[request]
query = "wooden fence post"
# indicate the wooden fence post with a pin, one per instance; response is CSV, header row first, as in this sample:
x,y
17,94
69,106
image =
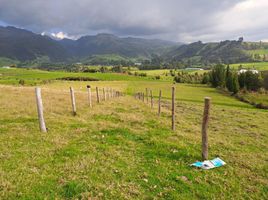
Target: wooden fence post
x,y
104,95
159,103
39,103
89,96
147,98
152,102
204,129
73,100
173,108
97,93
107,93
143,99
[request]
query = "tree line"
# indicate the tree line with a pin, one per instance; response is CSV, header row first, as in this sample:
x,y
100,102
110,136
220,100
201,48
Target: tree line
x,y
224,77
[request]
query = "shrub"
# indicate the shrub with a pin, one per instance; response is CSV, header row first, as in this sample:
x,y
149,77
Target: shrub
x,y
157,77
22,82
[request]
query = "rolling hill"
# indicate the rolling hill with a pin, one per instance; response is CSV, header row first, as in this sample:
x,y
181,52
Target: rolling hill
x,y
20,44
23,45
225,51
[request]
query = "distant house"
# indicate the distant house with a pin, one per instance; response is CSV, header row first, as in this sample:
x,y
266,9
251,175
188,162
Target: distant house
x,y
254,71
6,67
137,64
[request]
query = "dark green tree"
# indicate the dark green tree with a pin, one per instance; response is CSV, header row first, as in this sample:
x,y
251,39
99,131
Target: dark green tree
x,y
217,76
235,83
265,81
242,80
253,81
229,79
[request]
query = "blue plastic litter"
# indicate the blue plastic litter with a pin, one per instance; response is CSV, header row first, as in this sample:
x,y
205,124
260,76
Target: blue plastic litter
x,y
209,164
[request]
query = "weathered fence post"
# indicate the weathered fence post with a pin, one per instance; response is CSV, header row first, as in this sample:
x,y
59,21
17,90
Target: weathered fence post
x,y
39,103
159,103
152,102
104,94
204,129
143,99
97,93
107,93
73,100
111,93
89,96
173,108
147,98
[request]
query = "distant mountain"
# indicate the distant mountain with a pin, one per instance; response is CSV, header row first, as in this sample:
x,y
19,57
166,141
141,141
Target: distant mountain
x,y
110,44
225,52
20,44
24,45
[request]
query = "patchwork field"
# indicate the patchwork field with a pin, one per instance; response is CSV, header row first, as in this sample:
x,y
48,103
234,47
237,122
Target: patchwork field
x,y
262,66
120,148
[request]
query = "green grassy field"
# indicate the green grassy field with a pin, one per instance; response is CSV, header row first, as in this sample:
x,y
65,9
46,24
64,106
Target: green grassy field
x,y
256,97
121,149
263,66
33,77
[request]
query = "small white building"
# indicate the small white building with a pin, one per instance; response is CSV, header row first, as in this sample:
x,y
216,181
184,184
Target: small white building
x,y
193,68
6,67
254,71
137,64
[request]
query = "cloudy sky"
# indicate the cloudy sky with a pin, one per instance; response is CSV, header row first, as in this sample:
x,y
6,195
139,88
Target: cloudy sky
x,y
176,20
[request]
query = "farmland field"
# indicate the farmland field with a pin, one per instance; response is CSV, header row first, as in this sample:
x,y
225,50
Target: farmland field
x,y
121,149
263,66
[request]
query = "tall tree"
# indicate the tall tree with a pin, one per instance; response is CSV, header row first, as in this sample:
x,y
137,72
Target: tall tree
x,y
217,76
235,86
229,79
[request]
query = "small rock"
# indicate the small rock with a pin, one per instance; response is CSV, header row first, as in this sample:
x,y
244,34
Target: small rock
x,y
145,180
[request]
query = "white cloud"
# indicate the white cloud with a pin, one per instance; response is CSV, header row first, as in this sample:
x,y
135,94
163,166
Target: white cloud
x,y
247,18
60,35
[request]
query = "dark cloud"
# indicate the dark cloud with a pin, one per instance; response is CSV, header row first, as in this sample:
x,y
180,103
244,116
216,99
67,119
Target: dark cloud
x,y
180,20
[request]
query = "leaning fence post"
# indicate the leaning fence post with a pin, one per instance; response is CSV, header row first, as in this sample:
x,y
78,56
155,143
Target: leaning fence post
x,y
73,100
89,95
97,93
173,108
152,102
159,103
39,103
204,129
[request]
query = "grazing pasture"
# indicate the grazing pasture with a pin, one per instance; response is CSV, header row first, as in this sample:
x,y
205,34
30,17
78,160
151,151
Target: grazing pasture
x,y
121,148
262,66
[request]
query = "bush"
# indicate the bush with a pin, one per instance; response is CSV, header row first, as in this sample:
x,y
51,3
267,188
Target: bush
x,y
185,77
157,77
21,82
